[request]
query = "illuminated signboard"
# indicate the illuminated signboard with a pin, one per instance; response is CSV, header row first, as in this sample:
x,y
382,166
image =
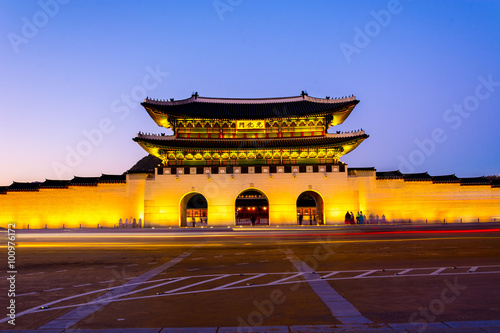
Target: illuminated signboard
x,y
250,124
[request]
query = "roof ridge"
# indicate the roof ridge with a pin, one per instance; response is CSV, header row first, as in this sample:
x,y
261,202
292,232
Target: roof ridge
x,y
265,100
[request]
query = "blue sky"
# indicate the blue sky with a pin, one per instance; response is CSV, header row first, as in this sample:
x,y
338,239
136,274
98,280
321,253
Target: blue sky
x,y
73,73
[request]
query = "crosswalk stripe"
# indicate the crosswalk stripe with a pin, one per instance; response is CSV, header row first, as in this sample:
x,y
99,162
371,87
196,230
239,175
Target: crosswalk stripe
x,y
239,281
364,274
439,270
196,284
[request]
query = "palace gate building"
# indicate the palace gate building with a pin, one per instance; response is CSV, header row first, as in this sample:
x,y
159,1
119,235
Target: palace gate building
x,y
230,162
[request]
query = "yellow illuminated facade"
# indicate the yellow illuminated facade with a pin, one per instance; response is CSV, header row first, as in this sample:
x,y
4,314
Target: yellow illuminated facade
x,y
248,161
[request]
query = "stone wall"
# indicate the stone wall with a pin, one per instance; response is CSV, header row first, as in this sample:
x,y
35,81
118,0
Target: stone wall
x,y
87,206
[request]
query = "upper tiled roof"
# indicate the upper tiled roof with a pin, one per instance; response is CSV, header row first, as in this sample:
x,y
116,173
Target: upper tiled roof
x,y
258,108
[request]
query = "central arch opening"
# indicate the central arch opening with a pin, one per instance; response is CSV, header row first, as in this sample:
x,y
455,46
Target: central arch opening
x,y
310,208
194,209
252,208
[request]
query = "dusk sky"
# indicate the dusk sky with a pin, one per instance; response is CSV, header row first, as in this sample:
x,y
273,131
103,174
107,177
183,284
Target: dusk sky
x,y
73,74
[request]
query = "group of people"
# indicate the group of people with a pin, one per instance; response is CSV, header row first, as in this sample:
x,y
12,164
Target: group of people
x,y
349,218
361,219
132,223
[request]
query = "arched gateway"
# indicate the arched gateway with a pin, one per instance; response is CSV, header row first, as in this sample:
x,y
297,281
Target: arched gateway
x,y
310,208
252,208
193,210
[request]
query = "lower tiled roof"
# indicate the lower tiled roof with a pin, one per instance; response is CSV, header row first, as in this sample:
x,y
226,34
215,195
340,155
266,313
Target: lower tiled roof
x,y
275,143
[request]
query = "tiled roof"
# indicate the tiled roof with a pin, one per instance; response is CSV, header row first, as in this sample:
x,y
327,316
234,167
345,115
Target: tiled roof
x,y
62,184
49,183
389,175
363,169
15,186
445,179
226,108
417,177
145,165
113,178
495,183
84,181
474,181
278,143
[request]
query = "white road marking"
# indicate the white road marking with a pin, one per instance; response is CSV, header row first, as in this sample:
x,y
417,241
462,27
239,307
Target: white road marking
x,y
196,284
74,316
133,265
364,274
82,285
239,281
242,263
439,270
192,269
54,289
154,286
26,294
330,274
118,297
264,261
340,308
107,281
239,253
473,269
285,279
64,270
405,271
198,258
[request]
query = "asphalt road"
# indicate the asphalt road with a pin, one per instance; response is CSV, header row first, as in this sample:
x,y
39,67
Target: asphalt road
x,y
255,277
